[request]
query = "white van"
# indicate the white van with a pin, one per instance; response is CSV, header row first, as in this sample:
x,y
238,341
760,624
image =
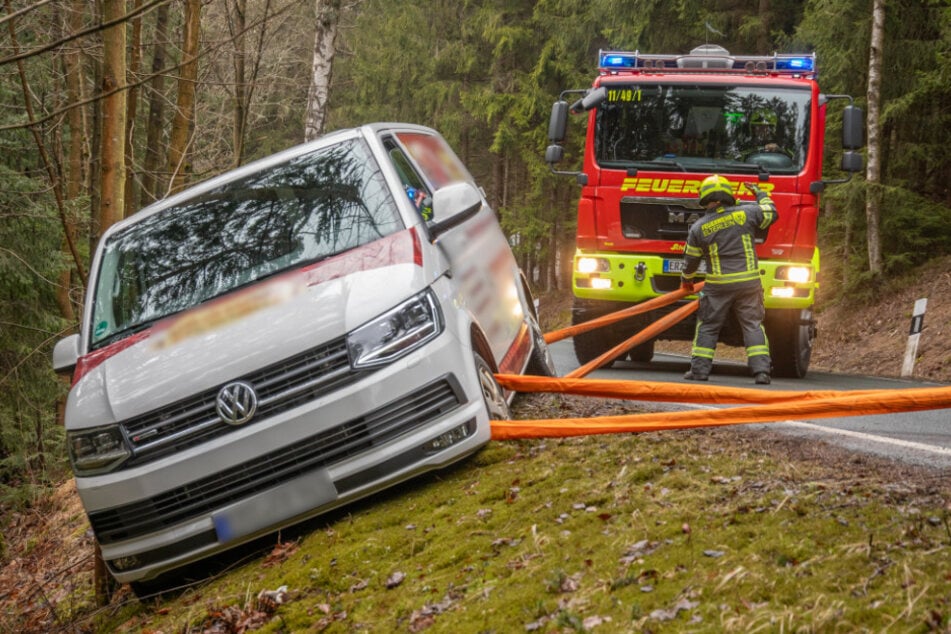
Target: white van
x,y
286,338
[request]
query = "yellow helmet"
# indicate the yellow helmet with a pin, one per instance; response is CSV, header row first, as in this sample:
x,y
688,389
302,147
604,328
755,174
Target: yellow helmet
x,y
716,188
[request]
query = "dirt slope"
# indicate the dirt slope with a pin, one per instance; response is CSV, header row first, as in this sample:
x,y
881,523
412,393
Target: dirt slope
x,y
871,337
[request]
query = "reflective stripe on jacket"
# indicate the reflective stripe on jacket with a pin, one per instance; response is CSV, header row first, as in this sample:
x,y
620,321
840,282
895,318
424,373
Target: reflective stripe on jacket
x,y
724,237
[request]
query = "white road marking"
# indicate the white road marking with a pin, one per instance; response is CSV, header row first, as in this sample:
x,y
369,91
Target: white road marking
x,y
907,444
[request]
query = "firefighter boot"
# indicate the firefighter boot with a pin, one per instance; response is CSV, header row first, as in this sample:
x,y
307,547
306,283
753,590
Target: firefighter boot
x,y
692,376
761,378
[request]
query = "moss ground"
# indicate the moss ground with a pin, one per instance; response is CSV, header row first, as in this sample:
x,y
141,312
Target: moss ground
x,y
706,531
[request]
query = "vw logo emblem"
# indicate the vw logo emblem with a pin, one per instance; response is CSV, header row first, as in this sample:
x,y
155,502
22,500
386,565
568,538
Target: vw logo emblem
x,y
236,403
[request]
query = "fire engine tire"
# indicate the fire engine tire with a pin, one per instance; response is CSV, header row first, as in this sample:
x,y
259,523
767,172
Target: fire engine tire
x,y
492,394
591,345
642,353
791,333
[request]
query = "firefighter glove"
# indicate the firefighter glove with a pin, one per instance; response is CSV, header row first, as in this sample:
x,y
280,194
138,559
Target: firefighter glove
x,y
753,189
686,284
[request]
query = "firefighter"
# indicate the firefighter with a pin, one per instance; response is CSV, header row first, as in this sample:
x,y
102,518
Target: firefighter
x,y
723,238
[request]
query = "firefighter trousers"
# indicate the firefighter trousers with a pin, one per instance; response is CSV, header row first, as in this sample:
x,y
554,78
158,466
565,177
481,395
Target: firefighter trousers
x,y
744,301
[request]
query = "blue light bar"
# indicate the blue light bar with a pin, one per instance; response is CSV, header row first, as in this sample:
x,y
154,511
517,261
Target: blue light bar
x,y
614,60
795,63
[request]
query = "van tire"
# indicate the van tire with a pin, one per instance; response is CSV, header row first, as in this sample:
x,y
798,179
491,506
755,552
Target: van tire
x,y
540,363
493,396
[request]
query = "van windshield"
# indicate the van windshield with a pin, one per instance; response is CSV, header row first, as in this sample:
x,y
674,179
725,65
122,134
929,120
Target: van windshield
x,y
285,216
683,127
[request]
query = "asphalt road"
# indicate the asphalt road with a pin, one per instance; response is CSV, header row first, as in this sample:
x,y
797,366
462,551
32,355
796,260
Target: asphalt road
x,y
918,437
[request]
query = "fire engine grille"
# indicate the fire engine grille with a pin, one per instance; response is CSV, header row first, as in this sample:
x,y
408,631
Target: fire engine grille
x,y
653,220
646,219
279,387
203,496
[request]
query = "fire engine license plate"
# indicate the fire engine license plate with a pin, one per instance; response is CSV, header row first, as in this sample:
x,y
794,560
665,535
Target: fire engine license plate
x,y
677,266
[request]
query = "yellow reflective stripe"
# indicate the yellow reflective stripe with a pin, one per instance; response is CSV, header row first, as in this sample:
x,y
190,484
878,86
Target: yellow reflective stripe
x,y
757,351
692,250
730,278
714,259
706,353
769,211
749,252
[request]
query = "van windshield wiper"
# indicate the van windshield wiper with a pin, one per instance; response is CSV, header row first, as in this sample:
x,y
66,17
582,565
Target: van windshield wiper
x,y
122,334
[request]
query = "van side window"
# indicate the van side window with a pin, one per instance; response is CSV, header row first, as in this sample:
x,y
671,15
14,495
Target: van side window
x,y
413,184
435,158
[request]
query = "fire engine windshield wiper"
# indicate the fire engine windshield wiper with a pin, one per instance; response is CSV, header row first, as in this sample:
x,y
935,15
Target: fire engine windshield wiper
x,y
667,163
755,167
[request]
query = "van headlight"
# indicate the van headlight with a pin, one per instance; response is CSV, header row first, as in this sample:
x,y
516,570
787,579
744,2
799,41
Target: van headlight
x,y
97,450
396,332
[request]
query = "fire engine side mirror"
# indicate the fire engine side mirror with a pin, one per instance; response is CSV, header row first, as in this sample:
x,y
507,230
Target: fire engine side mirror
x,y
591,100
554,153
852,162
558,124
853,130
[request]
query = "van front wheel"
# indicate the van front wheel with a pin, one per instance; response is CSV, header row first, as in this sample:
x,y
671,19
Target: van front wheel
x,y
492,394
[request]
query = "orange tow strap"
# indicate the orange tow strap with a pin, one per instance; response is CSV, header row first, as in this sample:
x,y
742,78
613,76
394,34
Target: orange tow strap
x,y
606,320
775,405
844,404
650,332
665,392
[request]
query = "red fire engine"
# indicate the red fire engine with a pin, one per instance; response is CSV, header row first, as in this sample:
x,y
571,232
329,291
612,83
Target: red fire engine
x,y
657,125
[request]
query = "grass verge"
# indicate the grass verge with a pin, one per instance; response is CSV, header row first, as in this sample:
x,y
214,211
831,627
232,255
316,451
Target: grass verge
x,y
730,530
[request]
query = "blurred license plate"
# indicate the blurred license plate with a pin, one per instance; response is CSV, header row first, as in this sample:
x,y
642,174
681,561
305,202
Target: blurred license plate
x,y
673,266
677,266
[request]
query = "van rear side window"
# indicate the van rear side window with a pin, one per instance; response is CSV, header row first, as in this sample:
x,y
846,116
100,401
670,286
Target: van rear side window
x,y
310,208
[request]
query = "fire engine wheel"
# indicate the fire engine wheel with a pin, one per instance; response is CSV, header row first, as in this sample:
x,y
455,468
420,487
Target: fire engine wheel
x,y
592,344
492,394
791,333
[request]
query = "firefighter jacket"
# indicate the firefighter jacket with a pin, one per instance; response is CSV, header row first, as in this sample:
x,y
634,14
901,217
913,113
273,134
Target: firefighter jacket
x,y
724,238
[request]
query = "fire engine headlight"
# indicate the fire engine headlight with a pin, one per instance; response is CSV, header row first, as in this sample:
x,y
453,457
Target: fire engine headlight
x,y
98,450
798,274
593,265
397,332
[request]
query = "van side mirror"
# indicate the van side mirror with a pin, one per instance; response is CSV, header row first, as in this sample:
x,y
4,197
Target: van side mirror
x,y
66,354
453,205
853,129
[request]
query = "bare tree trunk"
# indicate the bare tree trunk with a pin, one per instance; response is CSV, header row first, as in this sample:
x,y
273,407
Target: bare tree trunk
x,y
183,123
873,174
238,23
112,142
151,182
325,47
132,104
762,37
51,170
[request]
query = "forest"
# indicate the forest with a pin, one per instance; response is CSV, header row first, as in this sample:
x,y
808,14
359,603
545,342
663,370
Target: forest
x,y
109,105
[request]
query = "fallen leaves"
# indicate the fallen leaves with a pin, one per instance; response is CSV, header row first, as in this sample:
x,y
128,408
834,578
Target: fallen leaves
x,y
280,553
233,619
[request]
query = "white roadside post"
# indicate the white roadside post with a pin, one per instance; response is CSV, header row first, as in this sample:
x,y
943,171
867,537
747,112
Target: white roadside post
x,y
911,351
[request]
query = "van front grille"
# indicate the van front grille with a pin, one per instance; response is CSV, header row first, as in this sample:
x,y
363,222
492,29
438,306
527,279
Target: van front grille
x,y
279,387
203,496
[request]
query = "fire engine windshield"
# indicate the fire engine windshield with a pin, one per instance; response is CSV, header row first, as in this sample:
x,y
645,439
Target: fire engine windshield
x,y
703,128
